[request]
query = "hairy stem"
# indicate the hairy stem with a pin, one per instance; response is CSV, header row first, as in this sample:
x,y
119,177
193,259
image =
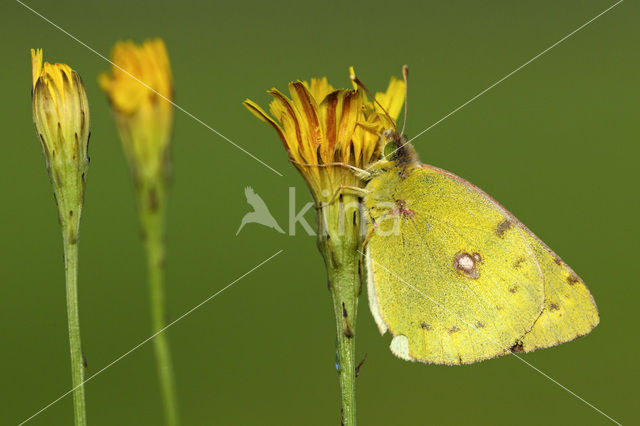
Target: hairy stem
x,y
152,220
73,319
339,241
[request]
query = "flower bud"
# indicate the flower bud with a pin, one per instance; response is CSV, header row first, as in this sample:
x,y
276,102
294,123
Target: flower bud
x,y
61,119
140,89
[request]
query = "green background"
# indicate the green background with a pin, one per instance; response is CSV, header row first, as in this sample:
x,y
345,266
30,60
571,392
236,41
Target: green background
x,y
557,144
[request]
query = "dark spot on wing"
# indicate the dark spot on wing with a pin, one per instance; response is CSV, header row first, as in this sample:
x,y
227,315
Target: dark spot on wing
x,y
558,261
514,289
518,263
554,307
479,325
503,227
454,329
517,348
572,279
465,264
425,326
402,210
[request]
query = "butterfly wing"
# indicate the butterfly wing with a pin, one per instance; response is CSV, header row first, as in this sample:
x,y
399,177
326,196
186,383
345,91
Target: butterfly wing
x,y
460,279
569,310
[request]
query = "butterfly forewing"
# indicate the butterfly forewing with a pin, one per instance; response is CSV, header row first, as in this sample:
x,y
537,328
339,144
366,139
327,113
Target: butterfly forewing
x,y
569,309
460,279
456,280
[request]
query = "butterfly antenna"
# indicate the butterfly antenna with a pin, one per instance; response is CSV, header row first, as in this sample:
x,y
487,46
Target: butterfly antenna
x,y
357,81
405,75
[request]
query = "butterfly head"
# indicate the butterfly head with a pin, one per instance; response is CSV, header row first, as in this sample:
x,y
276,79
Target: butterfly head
x,y
397,149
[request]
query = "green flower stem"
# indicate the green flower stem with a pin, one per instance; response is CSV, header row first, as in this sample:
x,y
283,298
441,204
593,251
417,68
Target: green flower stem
x,y
152,218
339,241
73,318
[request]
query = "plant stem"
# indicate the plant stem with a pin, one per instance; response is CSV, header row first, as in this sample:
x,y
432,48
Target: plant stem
x,y
152,220
339,239
73,319
345,299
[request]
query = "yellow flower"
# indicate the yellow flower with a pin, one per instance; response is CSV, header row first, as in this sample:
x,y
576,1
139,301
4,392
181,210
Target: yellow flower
x,y
140,90
61,118
320,126
327,133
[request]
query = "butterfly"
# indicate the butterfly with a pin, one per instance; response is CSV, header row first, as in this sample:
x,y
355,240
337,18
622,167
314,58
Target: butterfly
x,y
453,275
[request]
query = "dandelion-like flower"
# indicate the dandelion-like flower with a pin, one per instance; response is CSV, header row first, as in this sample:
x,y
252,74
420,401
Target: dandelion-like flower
x,y
140,91
320,126
329,134
61,119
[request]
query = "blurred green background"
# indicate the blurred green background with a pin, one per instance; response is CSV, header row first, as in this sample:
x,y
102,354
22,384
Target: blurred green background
x,y
557,144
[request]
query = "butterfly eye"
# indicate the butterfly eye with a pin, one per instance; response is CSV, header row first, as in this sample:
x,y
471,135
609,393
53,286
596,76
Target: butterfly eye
x,y
389,150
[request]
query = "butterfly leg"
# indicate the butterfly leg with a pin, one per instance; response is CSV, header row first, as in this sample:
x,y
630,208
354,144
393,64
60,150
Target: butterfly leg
x,y
361,173
360,191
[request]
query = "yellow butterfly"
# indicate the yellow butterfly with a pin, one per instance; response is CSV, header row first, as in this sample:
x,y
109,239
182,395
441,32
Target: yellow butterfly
x,y
455,277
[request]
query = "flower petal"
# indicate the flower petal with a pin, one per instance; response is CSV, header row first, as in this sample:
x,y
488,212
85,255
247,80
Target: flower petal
x,y
351,108
36,65
331,110
393,99
309,108
319,88
262,115
285,112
